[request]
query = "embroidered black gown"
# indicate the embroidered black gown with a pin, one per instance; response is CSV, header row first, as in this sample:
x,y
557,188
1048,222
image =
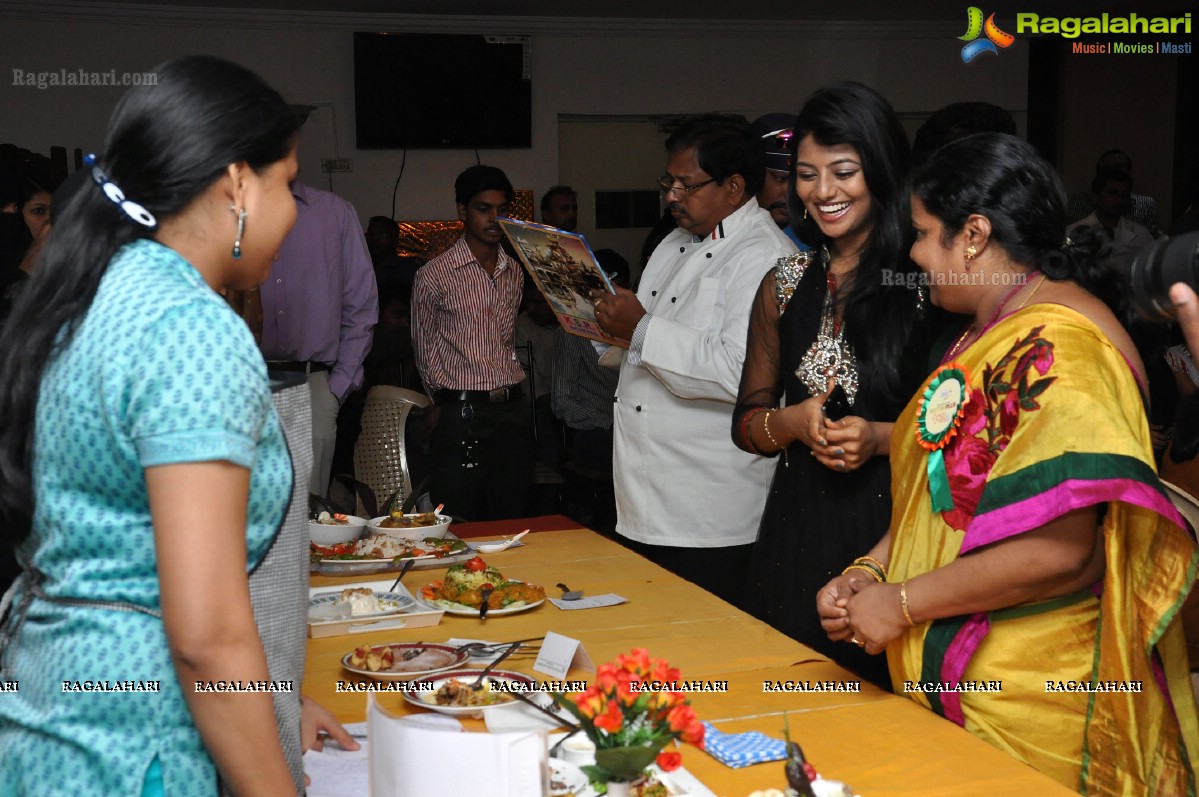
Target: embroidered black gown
x,y
816,520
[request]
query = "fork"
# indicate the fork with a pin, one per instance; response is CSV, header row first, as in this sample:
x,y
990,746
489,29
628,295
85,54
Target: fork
x,y
478,682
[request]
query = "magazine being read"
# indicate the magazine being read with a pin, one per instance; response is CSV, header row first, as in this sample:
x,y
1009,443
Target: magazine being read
x,y
566,272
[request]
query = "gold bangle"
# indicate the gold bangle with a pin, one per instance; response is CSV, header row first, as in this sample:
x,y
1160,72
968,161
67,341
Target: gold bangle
x,y
870,559
877,571
870,570
903,602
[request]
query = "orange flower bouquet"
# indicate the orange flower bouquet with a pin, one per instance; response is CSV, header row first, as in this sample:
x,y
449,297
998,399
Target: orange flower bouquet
x,y
631,712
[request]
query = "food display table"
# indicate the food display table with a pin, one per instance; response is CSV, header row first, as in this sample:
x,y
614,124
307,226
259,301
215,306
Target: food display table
x,y
879,743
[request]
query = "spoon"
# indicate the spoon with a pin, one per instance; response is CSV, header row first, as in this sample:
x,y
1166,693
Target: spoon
x,y
501,545
478,683
569,594
408,563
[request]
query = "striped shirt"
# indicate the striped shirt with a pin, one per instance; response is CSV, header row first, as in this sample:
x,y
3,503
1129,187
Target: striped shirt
x,y
463,321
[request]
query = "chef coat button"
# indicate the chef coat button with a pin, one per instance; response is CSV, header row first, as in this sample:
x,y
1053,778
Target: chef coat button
x,y
653,293
673,299
682,249
638,408
708,255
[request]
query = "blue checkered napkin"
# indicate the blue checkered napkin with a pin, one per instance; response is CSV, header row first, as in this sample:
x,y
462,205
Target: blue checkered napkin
x,y
738,750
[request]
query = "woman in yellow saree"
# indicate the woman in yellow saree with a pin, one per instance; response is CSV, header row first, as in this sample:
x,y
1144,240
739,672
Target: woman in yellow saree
x,y
1029,586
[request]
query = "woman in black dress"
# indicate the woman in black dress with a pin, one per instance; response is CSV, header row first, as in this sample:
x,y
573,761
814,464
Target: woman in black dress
x,y
841,323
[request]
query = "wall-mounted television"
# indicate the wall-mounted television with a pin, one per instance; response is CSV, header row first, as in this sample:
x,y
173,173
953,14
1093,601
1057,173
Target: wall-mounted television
x,y
441,91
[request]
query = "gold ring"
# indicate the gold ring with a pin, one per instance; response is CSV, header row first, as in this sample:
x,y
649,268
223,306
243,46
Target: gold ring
x,y
856,641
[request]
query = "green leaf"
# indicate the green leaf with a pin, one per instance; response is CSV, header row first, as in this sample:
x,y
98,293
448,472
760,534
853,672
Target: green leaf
x,y
626,763
1038,387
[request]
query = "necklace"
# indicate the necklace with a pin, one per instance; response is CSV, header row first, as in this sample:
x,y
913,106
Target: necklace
x,y
829,357
958,344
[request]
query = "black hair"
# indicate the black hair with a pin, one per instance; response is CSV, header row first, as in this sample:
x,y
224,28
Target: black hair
x,y
879,314
1105,176
725,144
958,120
612,262
166,144
479,178
557,189
1005,179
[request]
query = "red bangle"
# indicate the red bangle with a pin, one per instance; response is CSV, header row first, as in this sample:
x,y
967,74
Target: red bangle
x,y
746,435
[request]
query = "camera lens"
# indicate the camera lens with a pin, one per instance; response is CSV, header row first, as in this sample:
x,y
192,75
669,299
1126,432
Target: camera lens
x,y
1157,268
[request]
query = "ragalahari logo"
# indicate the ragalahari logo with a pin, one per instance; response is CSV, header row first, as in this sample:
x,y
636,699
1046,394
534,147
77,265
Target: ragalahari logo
x,y
995,39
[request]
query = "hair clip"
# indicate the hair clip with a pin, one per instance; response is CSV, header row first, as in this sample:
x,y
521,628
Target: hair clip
x,y
133,210
1068,243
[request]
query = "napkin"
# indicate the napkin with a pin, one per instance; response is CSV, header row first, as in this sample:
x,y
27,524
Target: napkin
x,y
336,772
738,750
414,761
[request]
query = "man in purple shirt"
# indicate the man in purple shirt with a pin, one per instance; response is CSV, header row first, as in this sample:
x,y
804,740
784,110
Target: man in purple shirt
x,y
319,308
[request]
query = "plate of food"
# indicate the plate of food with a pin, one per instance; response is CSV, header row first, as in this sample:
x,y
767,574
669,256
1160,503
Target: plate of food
x,y
403,661
461,591
380,553
566,779
453,694
358,603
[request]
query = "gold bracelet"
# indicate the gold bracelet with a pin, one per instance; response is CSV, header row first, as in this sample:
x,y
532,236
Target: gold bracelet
x,y
903,602
871,560
766,429
770,437
868,569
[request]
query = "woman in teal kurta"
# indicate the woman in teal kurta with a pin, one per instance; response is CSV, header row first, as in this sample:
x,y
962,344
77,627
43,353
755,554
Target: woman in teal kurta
x,y
161,371
138,419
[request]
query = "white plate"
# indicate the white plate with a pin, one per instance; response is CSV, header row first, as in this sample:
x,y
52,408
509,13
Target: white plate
x,y
420,691
462,610
570,778
392,602
455,659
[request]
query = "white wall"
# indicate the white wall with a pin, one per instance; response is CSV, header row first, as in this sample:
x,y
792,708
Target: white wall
x,y
576,70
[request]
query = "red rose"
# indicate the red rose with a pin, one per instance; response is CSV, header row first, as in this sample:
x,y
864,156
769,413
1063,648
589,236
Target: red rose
x,y
669,760
968,461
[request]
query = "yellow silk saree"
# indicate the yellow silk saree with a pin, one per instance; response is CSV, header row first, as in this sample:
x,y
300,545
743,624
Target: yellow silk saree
x,y
1091,688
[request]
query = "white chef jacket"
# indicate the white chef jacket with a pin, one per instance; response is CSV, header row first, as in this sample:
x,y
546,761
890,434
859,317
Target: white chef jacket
x,y
679,479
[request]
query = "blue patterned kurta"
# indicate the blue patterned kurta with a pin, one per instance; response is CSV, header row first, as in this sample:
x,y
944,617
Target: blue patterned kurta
x,y
160,371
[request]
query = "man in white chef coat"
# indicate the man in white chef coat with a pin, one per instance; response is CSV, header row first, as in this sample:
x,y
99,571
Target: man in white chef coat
x,y
686,497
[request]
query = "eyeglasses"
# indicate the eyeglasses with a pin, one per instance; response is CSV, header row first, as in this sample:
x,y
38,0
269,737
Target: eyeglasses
x,y
667,185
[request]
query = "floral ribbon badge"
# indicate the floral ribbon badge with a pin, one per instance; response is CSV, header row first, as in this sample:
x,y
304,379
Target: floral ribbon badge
x,y
940,414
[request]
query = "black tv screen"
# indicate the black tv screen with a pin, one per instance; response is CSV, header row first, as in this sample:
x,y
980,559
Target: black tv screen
x,y
438,91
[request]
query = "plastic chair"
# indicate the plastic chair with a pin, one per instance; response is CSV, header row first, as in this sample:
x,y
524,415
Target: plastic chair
x,y
380,455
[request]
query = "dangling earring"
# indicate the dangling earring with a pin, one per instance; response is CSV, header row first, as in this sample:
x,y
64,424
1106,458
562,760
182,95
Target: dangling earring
x,y
920,298
805,212
241,229
971,253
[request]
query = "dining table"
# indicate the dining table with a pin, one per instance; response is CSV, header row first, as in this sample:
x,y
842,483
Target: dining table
x,y
878,742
